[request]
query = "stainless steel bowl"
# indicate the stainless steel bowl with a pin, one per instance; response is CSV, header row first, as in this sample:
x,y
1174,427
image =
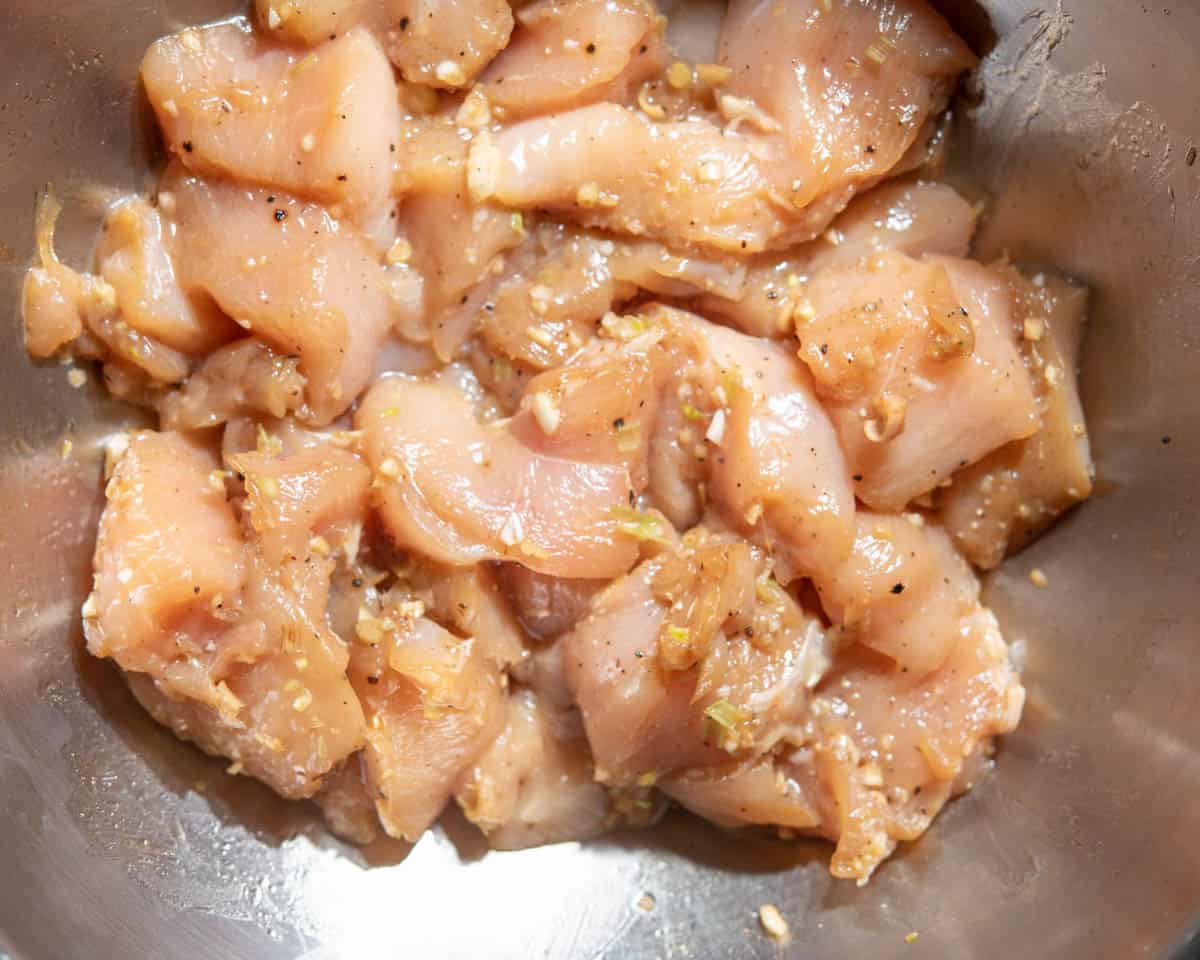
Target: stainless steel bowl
x,y
117,841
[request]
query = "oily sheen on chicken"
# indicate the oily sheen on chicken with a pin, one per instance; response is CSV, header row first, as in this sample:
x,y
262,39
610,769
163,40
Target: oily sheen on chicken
x,y
563,426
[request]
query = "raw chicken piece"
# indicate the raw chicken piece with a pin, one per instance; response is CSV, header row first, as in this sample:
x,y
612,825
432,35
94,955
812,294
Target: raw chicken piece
x,y
321,126
910,217
647,713
132,257
913,217
304,501
212,633
460,492
917,364
443,43
240,379
765,448
849,88
457,243
564,281
470,602
777,474
599,408
889,748
534,784
758,793
433,702
168,544
64,308
609,167
543,312
1004,501
345,800
548,606
311,22
306,284
573,53
903,591
54,298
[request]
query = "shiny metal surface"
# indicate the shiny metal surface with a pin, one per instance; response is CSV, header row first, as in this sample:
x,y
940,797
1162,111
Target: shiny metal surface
x,y
119,842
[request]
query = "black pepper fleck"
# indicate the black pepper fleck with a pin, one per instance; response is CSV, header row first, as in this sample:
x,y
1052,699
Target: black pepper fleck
x,y
898,588
280,215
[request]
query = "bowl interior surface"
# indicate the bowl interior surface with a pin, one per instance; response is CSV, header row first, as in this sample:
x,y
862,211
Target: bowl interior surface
x,y
1083,843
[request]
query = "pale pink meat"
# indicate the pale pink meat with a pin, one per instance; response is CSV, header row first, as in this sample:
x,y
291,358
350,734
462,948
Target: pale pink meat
x,y
242,378
759,793
433,702
463,492
132,256
534,783
889,748
643,715
889,344
609,167
903,591
1004,501
850,88
225,637
777,473
321,125
569,54
911,217
303,282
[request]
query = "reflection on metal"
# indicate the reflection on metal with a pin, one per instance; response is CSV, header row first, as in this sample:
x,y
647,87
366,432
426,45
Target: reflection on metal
x,y
120,842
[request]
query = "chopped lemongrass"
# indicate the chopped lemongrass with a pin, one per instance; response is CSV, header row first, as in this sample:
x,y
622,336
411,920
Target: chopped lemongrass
x,y
679,75
682,634
723,721
768,590
691,412
713,73
639,525
622,327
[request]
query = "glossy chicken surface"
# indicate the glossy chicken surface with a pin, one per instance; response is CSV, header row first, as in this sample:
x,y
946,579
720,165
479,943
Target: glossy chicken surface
x,y
561,425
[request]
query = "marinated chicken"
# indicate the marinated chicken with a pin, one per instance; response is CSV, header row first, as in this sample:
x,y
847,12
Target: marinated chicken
x,y
563,425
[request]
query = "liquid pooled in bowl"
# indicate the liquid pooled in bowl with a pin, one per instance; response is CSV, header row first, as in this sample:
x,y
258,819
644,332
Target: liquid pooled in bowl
x,y
559,427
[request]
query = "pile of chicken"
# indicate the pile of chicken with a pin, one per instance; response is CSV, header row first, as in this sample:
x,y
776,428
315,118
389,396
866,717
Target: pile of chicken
x,y
560,423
